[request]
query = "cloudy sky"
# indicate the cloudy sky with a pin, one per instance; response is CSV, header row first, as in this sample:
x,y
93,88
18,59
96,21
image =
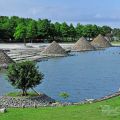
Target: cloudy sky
x,y
100,12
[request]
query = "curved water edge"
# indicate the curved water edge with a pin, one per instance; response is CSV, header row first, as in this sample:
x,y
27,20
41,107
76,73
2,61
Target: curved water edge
x,y
44,101
87,75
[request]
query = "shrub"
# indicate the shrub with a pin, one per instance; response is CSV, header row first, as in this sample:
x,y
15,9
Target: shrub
x,y
24,75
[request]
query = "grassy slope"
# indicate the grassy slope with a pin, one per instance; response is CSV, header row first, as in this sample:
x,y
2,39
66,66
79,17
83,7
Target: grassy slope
x,y
81,112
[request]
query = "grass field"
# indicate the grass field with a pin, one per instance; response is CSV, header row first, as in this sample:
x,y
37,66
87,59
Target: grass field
x,y
19,94
105,110
115,42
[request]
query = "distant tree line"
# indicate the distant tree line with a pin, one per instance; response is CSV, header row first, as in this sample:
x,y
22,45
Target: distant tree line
x,y
17,29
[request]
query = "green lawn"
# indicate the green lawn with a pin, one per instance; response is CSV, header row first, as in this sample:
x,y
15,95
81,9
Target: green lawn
x,y
115,42
106,110
19,94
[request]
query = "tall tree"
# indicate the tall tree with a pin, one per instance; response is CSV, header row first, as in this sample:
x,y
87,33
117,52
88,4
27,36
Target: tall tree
x,y
31,30
64,30
87,31
79,30
4,27
52,32
72,32
58,33
20,32
14,21
43,28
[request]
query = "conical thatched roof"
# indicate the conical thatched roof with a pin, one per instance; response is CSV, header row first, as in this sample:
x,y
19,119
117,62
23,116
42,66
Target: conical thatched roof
x,y
54,49
4,58
82,45
100,42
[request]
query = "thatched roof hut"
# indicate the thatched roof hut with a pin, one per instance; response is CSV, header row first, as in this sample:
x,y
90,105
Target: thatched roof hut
x,y
54,49
82,45
100,42
4,58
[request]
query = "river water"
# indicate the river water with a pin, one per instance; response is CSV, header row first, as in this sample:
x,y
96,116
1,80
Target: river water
x,y
85,75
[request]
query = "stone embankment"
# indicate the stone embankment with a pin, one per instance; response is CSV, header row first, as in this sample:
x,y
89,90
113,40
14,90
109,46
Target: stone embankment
x,y
36,101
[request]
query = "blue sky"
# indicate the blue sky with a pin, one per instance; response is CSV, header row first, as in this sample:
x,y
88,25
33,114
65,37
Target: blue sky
x,y
100,12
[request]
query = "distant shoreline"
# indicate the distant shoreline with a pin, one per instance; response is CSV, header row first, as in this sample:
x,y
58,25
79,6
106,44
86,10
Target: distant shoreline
x,y
10,46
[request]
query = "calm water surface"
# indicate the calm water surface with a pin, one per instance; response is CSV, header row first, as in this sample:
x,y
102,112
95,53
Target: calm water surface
x,y
85,75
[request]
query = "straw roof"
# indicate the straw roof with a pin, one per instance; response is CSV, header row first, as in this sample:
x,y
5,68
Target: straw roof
x,y
4,58
100,42
82,45
54,49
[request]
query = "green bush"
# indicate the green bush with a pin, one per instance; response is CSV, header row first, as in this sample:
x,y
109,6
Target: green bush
x,y
24,75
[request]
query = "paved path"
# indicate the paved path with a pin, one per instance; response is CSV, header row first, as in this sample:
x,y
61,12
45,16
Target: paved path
x,y
34,45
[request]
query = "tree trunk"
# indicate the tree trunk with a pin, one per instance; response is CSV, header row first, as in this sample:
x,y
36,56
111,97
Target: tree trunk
x,y
24,42
24,92
53,38
66,39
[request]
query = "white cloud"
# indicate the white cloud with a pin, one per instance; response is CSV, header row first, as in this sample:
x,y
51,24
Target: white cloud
x,y
98,16
58,12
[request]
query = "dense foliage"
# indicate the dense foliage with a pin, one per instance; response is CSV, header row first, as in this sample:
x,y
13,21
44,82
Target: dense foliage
x,y
16,29
24,75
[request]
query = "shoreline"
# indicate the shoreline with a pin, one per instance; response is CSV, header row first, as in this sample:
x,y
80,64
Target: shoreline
x,y
23,53
45,101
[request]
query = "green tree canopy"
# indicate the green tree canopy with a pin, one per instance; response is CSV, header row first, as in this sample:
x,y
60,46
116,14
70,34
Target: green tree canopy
x,y
20,32
4,27
72,31
20,29
24,75
106,29
31,30
43,28
13,21
52,32
64,30
57,29
79,30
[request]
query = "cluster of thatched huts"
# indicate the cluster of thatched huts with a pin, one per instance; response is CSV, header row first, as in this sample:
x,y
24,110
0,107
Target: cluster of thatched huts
x,y
54,49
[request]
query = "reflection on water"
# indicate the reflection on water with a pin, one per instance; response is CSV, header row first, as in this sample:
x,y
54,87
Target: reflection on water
x,y
86,75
